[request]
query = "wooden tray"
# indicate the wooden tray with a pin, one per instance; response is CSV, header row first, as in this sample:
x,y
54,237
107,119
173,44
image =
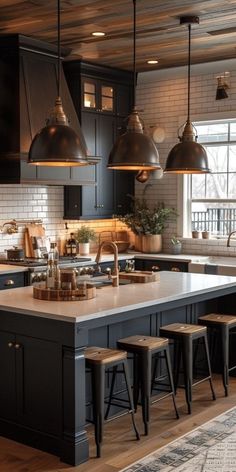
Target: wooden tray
x,y
81,293
140,276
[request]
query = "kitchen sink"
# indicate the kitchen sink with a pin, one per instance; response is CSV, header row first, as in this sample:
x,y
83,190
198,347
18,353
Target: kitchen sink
x,y
218,265
102,281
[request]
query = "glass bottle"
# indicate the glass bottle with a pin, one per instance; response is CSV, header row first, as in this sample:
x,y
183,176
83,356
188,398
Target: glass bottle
x,y
71,246
50,275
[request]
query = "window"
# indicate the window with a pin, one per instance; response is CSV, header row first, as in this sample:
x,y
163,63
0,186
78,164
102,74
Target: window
x,y
213,196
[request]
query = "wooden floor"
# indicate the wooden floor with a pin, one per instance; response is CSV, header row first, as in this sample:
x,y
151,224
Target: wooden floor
x,y
120,447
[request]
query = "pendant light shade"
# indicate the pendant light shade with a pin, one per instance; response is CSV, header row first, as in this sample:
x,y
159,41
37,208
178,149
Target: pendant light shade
x,y
134,150
57,144
188,157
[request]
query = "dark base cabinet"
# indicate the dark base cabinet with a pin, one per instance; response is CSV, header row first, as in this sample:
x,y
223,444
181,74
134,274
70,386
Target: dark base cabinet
x,y
13,280
159,264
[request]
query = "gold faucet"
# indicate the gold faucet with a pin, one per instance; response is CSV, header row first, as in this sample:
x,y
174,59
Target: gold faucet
x,y
228,240
115,274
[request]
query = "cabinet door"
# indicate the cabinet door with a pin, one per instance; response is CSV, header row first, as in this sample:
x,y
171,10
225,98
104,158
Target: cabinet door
x,y
8,376
90,127
105,189
11,280
38,383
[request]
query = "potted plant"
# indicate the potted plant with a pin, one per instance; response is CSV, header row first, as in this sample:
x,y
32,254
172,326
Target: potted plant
x,y
84,235
176,245
148,224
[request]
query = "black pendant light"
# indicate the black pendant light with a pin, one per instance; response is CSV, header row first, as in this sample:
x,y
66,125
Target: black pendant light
x,y
188,157
134,150
57,144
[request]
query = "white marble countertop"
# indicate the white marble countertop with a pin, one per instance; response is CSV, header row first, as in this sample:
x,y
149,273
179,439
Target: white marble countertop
x,y
7,269
142,255
113,300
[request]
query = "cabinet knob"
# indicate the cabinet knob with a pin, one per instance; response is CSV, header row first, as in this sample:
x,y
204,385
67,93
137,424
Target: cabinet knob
x,y
17,346
102,206
175,269
9,282
10,344
75,205
155,268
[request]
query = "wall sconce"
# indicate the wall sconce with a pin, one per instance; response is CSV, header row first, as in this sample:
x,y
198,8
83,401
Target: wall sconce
x,y
222,86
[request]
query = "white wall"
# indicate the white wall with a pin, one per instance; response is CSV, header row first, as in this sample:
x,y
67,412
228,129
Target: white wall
x,y
162,95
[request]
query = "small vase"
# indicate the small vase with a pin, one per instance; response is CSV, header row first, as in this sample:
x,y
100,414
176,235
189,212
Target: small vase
x,y
176,248
84,249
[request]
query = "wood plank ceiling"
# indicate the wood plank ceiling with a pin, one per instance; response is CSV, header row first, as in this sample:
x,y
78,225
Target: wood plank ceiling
x,y
159,35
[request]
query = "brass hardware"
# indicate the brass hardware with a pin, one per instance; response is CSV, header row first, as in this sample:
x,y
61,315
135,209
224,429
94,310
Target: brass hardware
x,y
17,346
175,269
9,282
10,344
155,268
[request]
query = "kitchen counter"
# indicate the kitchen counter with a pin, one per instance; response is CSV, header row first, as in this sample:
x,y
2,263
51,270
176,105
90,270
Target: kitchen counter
x,y
7,269
113,300
44,388
142,255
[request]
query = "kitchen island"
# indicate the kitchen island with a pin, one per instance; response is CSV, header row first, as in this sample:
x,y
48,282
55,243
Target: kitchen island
x,y
43,379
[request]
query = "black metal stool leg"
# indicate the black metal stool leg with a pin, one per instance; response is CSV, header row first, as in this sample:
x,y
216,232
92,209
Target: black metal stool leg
x,y
98,387
145,373
156,358
187,349
177,360
209,365
136,381
169,371
128,386
225,356
111,391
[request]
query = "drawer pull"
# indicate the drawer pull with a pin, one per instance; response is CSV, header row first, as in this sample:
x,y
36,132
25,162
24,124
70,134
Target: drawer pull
x,y
10,344
155,268
9,282
17,346
175,269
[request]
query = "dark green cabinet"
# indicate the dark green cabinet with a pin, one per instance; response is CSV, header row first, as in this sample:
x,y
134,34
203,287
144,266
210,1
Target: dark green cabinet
x,y
102,97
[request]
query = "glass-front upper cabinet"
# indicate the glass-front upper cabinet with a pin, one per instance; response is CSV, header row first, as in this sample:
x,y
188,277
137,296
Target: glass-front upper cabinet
x,y
98,96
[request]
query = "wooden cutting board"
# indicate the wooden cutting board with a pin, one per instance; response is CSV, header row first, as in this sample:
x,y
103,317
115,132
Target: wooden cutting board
x,y
31,231
140,276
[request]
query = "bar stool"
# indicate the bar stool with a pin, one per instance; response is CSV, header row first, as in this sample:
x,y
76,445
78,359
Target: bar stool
x,y
144,348
98,359
222,325
184,335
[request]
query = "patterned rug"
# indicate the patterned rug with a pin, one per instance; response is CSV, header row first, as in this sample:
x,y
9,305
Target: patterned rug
x,y
209,448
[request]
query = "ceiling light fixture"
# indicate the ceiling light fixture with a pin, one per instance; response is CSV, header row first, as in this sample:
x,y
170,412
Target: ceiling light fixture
x,y
152,61
188,157
98,33
134,150
57,144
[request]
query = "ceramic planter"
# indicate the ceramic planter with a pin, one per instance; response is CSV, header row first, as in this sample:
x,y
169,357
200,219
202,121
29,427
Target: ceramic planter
x,y
151,243
84,249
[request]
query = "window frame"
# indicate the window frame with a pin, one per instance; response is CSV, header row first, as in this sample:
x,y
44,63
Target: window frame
x,y
184,201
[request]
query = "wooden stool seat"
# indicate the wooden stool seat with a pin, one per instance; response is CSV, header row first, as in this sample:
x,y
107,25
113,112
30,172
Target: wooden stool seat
x,y
143,342
98,360
184,335
101,355
218,318
144,348
220,326
185,329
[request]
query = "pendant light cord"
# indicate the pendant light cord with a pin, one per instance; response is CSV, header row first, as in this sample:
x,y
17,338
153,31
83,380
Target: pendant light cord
x,y
189,67
134,55
58,49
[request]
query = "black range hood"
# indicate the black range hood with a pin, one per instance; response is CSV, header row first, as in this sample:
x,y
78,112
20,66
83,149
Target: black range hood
x,y
28,89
